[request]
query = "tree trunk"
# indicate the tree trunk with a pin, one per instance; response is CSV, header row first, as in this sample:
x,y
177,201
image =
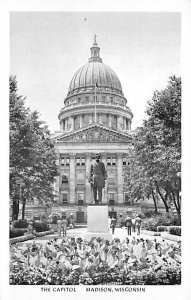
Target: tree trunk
x,y
15,211
154,199
23,209
176,203
163,198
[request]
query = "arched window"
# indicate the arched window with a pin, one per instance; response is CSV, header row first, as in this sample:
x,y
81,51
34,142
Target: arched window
x,y
80,178
64,179
111,178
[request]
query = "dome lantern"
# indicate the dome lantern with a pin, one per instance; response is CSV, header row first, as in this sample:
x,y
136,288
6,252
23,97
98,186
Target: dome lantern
x,y
95,51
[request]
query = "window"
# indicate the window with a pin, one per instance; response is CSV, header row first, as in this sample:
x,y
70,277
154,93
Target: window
x,y
127,200
80,161
80,178
87,99
64,198
65,160
83,161
111,178
124,161
103,98
64,179
111,161
79,100
80,198
111,196
111,199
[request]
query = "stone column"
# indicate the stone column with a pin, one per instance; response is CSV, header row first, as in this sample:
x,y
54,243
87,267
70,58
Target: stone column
x,y
66,124
104,196
118,123
72,123
81,124
129,124
125,124
57,180
89,194
72,179
109,121
120,177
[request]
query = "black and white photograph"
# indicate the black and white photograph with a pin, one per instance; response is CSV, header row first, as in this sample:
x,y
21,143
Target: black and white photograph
x,y
95,151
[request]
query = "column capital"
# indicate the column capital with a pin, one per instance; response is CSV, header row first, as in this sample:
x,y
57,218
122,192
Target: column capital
x,y
88,154
119,154
104,155
72,155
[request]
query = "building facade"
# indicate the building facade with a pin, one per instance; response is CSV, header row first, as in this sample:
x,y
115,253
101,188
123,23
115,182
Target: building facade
x,y
95,119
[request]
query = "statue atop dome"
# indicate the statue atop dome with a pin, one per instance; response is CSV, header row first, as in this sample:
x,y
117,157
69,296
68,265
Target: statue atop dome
x,y
95,50
94,39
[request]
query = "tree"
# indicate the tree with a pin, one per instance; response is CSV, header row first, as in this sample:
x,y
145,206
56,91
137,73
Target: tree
x,y
157,147
32,156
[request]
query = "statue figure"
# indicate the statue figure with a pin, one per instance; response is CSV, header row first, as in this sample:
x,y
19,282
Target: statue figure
x,y
97,178
94,39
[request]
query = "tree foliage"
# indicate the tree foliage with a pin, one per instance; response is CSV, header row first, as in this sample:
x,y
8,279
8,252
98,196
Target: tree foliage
x,y
32,156
155,169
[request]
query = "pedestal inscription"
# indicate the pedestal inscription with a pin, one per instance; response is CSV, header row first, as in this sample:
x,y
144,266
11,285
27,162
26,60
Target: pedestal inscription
x,y
97,222
97,217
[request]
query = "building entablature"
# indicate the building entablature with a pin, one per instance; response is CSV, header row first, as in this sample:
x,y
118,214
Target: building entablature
x,y
101,108
89,97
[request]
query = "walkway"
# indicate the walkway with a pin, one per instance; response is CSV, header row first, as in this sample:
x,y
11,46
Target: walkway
x,y
120,233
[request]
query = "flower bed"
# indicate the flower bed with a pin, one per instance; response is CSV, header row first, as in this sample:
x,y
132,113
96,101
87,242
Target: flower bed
x,y
29,236
75,261
21,238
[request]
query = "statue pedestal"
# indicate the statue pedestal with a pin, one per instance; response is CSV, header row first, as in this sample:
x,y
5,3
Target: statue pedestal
x,y
97,222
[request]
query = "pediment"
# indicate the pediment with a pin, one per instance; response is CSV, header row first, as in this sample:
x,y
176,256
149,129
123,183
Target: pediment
x,y
96,134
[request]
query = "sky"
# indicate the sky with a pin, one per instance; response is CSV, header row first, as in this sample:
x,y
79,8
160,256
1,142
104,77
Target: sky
x,y
47,48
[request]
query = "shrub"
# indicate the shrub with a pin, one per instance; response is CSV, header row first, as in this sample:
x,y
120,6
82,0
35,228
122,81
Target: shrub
x,y
162,228
166,219
175,230
15,232
40,226
150,213
21,224
150,224
41,216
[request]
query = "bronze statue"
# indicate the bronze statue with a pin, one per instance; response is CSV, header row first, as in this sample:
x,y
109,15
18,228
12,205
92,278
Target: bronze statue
x,y
97,178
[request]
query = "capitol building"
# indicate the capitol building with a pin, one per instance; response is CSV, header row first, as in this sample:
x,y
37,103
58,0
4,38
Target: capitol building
x,y
95,119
